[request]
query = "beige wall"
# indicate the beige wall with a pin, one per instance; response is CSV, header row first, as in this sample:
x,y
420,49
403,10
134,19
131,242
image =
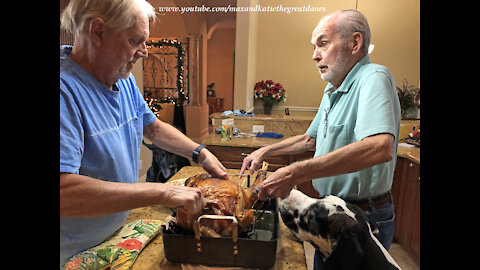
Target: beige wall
x,y
284,53
220,56
245,57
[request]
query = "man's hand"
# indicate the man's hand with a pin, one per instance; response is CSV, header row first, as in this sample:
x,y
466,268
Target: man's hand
x,y
278,184
252,162
211,164
186,199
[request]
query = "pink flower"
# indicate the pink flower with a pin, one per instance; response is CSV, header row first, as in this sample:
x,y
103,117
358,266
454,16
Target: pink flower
x,y
74,264
130,244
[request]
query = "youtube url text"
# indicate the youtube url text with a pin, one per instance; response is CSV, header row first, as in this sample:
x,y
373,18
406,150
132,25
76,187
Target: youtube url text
x,y
229,8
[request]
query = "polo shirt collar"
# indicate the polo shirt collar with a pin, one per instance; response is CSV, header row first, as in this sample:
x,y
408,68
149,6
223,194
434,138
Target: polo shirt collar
x,y
350,78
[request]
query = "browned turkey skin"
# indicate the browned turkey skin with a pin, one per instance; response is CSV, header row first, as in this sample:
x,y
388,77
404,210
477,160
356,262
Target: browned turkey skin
x,y
225,198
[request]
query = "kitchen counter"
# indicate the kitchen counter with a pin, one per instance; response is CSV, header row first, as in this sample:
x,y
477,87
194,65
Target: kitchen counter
x,y
290,254
412,154
288,125
266,117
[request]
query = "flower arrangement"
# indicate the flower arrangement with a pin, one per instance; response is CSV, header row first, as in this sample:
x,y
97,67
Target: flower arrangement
x,y
270,93
406,96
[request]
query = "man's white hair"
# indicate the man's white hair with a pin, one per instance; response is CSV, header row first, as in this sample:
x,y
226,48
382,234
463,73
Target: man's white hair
x,y
349,22
117,14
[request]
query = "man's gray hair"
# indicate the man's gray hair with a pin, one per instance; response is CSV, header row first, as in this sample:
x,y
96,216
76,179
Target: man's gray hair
x,y
351,21
117,14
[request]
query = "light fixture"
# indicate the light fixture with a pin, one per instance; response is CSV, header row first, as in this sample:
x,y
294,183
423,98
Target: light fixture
x,y
370,48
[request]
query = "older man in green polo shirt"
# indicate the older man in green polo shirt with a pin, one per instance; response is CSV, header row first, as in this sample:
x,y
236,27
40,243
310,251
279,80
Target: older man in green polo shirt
x,y
355,130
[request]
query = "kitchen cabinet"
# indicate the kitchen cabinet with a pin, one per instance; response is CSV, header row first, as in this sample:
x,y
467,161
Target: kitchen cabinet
x,y
406,198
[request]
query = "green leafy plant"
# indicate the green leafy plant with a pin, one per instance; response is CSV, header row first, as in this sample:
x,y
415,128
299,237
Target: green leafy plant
x,y
406,96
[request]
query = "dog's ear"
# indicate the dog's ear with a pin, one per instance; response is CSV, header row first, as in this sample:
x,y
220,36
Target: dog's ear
x,y
315,220
149,146
362,217
347,244
289,218
338,225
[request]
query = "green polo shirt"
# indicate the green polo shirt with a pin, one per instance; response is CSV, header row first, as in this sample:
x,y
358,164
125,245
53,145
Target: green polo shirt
x,y
365,104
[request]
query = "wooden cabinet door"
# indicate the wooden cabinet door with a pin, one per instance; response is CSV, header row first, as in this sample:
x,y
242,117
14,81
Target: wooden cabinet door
x,y
414,244
397,194
406,199
408,203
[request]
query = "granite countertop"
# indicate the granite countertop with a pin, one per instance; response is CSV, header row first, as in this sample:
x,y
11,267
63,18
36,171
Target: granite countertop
x,y
412,154
267,117
290,254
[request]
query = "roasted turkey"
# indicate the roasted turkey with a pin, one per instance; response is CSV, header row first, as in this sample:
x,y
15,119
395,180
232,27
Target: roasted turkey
x,y
225,198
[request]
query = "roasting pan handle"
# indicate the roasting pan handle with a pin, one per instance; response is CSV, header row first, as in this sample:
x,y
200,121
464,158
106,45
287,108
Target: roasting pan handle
x,y
196,225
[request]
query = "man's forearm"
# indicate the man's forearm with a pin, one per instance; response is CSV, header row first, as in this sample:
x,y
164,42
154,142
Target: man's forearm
x,y
170,139
83,196
350,158
293,145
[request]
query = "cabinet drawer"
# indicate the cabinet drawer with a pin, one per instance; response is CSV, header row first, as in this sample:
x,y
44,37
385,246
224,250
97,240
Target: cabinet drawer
x,y
238,165
239,153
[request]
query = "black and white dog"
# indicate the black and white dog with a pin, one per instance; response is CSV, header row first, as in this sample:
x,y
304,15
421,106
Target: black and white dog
x,y
339,230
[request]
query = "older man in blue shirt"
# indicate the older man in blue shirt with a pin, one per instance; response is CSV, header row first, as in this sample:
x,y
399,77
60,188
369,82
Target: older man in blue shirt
x,y
355,131
103,119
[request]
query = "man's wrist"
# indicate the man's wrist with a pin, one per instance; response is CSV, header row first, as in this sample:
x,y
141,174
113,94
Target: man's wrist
x,y
300,170
196,153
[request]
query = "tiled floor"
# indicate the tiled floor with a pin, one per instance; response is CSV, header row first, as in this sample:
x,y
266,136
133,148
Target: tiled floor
x,y
399,255
402,258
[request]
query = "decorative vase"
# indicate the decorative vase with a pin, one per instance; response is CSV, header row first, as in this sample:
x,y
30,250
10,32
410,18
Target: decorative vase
x,y
267,108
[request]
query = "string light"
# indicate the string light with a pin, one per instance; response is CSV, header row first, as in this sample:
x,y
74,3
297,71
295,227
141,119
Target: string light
x,y
154,105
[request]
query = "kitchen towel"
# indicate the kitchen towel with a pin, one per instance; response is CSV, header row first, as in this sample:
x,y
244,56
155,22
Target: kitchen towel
x,y
120,251
242,113
270,135
237,113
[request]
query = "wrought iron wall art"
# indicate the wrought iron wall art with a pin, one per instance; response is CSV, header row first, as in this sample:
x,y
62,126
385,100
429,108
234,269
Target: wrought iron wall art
x,y
164,76
164,71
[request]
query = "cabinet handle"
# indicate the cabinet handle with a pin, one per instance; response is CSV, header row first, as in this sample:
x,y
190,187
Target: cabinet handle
x,y
244,155
411,164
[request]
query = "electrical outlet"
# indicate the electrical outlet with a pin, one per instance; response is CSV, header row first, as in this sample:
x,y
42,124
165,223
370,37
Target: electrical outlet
x,y
257,128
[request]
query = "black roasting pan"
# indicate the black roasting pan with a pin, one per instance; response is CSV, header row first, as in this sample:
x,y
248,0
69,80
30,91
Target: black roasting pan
x,y
255,247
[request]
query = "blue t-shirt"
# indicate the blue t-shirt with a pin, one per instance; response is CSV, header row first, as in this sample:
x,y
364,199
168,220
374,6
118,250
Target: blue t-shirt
x,y
101,132
365,104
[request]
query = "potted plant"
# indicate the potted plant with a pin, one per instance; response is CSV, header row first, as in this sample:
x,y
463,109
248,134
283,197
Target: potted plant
x,y
270,93
406,96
